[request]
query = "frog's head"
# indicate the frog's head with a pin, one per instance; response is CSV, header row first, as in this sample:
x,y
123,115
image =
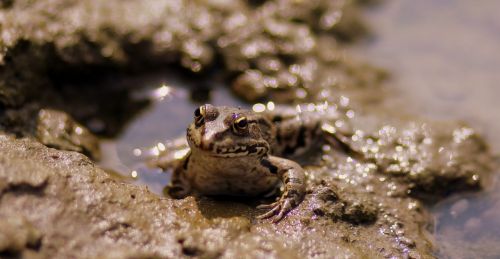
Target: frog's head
x,y
229,132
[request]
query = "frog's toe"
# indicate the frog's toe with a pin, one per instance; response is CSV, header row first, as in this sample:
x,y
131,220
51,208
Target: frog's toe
x,y
268,206
285,208
279,210
270,213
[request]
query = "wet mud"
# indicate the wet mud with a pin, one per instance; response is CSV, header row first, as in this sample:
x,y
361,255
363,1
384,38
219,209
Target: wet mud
x,y
366,200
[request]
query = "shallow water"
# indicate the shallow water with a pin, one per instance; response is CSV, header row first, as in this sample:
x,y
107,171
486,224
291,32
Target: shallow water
x,y
445,60
167,92
445,63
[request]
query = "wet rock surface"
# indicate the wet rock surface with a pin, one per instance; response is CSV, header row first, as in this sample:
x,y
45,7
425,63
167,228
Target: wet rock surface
x,y
350,210
280,49
59,130
365,200
17,235
78,210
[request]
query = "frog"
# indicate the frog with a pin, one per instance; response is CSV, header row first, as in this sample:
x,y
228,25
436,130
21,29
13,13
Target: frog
x,y
239,152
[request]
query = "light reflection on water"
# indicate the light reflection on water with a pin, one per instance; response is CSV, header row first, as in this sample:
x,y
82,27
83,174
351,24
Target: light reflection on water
x,y
445,60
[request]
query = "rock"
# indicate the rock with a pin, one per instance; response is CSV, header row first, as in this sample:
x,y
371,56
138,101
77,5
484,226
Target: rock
x,y
88,38
80,211
57,129
17,234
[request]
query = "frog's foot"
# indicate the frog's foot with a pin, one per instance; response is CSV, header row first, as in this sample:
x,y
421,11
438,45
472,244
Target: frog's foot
x,y
278,209
292,176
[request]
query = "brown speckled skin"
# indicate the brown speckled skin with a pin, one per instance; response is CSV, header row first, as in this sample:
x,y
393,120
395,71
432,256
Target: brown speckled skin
x,y
226,159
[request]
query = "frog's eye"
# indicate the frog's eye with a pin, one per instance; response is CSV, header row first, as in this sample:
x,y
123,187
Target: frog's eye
x,y
199,116
240,124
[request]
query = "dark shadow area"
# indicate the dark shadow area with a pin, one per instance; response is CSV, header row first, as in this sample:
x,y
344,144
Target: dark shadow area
x,y
104,105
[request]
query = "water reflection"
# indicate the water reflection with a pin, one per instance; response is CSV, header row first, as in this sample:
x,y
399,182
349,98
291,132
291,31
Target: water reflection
x,y
467,227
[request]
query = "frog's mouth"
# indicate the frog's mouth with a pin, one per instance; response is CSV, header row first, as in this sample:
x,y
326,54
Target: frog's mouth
x,y
238,151
230,149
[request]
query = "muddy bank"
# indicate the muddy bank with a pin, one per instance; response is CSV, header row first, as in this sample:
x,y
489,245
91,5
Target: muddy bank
x,y
59,203
67,207
363,201
54,40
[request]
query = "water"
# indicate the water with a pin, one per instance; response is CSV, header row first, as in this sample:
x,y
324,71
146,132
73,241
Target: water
x,y
445,60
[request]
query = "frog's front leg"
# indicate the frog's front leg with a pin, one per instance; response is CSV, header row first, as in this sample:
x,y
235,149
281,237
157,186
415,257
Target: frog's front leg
x,y
293,177
179,186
